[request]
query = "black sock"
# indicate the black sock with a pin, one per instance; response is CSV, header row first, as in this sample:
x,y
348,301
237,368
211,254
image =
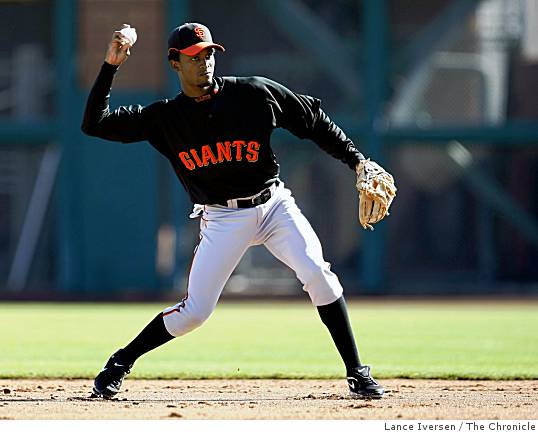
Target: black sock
x,y
151,337
334,316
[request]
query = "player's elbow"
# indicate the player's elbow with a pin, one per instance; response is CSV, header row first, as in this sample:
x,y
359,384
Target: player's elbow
x,y
89,128
85,130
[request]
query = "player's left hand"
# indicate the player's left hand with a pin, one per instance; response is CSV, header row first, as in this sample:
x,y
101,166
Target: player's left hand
x,y
376,192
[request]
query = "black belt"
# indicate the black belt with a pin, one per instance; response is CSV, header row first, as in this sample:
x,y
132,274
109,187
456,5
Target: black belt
x,y
260,198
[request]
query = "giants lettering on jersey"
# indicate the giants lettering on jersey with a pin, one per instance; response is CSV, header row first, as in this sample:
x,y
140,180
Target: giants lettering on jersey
x,y
226,151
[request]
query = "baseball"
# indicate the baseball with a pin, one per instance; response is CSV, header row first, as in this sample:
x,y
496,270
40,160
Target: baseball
x,y
129,33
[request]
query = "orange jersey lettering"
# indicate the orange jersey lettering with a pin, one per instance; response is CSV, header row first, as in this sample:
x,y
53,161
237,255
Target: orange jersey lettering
x,y
224,151
196,158
207,155
253,148
185,158
238,146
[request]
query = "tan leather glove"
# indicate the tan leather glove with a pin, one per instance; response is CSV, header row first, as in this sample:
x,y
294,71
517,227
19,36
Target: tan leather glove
x,y
376,192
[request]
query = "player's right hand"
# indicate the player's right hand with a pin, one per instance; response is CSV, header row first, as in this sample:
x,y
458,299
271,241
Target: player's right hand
x,y
118,49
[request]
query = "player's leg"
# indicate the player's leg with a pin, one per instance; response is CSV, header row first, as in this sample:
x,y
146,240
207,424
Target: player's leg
x,y
225,235
335,317
290,238
108,382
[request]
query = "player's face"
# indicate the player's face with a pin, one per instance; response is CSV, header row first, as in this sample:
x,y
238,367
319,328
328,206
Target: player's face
x,y
197,71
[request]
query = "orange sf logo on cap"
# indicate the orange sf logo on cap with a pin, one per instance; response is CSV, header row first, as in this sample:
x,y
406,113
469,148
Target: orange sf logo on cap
x,y
199,32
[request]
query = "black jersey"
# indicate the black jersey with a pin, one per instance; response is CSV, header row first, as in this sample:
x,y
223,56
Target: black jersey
x,y
218,144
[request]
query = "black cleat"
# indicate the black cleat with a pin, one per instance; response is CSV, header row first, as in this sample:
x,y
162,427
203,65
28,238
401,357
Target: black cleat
x,y
108,382
362,385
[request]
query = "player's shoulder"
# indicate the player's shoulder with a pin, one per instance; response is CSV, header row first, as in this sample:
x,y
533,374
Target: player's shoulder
x,y
154,111
159,103
249,81
157,106
255,83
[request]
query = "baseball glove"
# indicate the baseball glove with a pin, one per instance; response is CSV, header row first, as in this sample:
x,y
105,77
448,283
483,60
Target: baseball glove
x,y
376,192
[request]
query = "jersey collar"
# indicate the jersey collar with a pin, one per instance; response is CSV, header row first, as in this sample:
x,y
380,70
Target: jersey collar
x,y
217,87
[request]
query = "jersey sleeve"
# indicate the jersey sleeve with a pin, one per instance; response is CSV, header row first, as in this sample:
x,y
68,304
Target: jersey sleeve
x,y
302,116
126,124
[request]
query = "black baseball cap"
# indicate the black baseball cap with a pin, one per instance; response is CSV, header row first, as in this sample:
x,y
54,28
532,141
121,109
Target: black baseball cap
x,y
190,39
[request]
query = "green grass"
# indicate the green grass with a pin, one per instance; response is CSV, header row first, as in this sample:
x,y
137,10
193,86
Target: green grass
x,y
464,341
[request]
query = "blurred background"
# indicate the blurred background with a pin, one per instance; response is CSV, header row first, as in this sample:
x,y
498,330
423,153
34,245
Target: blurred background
x,y
440,92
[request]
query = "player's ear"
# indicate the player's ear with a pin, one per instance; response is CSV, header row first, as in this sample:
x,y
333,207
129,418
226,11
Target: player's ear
x,y
174,64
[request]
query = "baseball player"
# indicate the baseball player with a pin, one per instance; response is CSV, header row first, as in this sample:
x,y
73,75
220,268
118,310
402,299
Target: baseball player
x,y
216,134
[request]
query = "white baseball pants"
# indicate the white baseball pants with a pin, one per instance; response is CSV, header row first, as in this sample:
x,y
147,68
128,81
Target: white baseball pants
x,y
225,236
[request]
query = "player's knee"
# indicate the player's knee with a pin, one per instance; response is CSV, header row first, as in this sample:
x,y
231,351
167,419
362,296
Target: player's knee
x,y
183,321
322,285
310,272
198,317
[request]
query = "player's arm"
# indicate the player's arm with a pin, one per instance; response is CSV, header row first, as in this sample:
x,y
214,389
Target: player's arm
x,y
303,116
327,135
125,123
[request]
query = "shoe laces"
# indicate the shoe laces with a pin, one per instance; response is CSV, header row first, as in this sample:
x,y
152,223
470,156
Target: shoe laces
x,y
125,369
115,363
367,379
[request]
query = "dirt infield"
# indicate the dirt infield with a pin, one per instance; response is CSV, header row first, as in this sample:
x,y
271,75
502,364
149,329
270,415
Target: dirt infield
x,y
269,399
